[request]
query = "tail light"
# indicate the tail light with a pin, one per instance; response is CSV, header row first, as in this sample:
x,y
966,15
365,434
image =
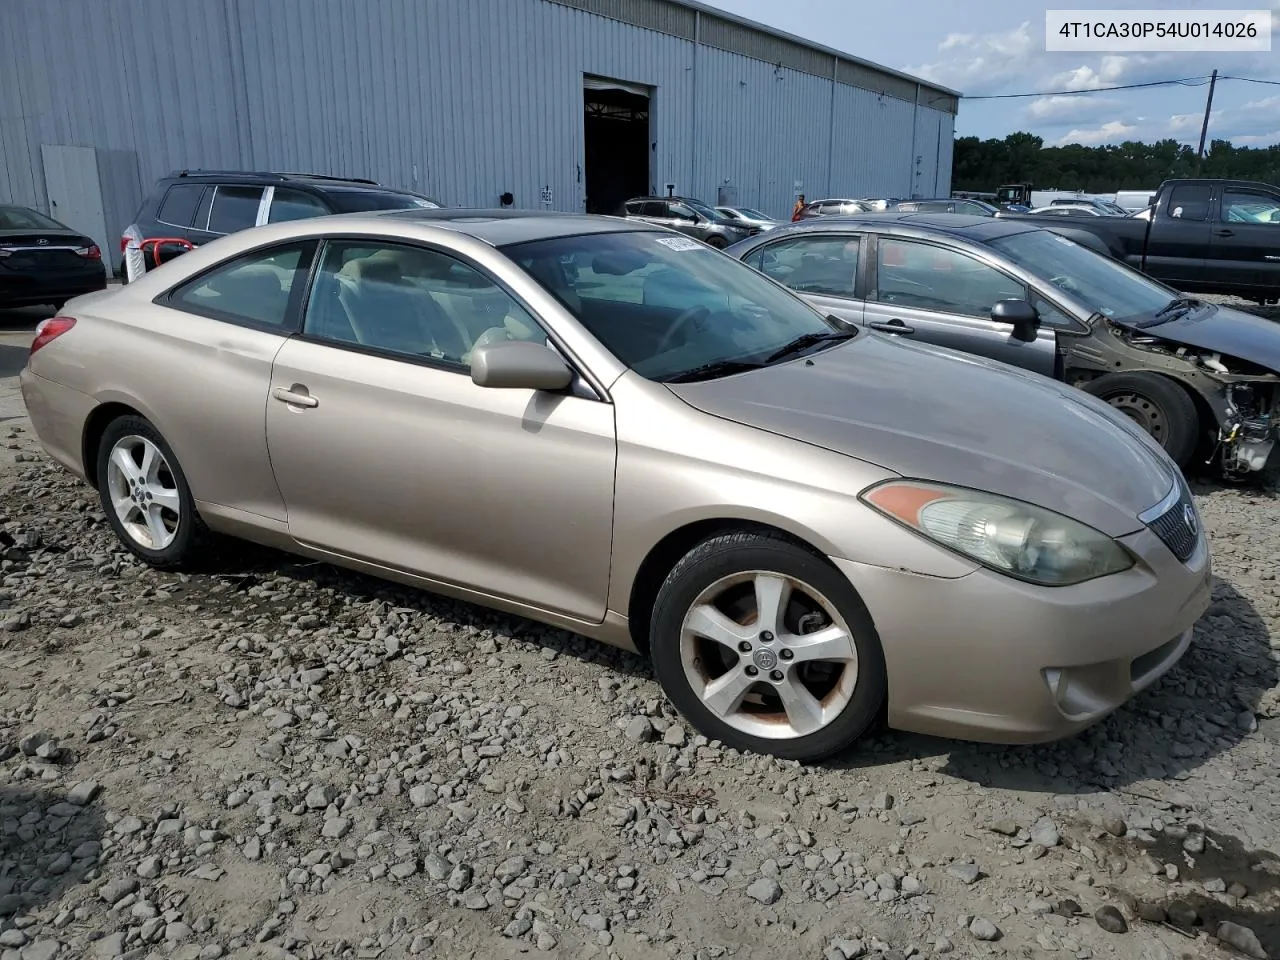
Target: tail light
x,y
49,330
91,252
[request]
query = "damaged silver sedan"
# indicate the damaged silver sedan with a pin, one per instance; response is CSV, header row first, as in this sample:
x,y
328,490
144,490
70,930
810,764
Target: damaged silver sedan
x,y
1202,379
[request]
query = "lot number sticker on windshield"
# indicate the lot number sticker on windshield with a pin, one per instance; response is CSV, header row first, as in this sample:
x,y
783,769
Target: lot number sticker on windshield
x,y
679,243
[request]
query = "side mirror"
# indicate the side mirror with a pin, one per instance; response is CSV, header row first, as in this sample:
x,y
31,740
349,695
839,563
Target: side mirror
x,y
519,364
1023,316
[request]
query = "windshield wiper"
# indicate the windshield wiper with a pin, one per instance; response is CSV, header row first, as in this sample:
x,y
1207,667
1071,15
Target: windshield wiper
x,y
806,340
717,368
1175,309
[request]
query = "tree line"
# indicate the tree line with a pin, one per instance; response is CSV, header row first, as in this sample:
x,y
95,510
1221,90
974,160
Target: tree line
x,y
1023,158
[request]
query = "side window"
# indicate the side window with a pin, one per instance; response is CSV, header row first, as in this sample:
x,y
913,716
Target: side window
x,y
255,290
681,212
1250,206
234,208
634,208
1051,316
179,204
655,208
928,277
294,205
1189,202
411,301
823,265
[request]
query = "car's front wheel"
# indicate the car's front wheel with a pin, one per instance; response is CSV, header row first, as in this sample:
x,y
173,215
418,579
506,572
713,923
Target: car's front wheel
x,y
145,494
766,647
1156,404
718,242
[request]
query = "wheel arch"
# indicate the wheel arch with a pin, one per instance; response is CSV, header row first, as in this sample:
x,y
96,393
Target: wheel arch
x,y
95,425
667,552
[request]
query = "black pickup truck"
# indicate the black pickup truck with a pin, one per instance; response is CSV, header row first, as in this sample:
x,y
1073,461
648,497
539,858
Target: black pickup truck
x,y
1201,236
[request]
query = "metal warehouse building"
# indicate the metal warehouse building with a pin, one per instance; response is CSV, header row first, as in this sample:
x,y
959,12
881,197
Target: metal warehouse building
x,y
566,104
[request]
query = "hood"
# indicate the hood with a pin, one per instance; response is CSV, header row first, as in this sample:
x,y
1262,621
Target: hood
x,y
1223,330
933,414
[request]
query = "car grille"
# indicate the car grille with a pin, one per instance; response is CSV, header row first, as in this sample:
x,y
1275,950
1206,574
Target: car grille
x,y
1179,526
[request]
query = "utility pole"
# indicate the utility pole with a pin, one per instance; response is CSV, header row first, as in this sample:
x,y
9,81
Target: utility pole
x,y
1208,106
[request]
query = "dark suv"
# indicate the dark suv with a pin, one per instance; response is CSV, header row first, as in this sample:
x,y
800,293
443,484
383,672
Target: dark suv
x,y
191,207
689,216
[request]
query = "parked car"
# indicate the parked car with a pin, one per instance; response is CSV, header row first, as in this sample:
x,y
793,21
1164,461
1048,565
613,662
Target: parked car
x,y
43,261
800,524
1202,236
750,216
191,207
831,208
1194,375
975,208
1105,208
691,217
1068,210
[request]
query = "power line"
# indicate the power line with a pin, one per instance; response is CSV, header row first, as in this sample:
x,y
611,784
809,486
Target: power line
x,y
1272,83
1184,82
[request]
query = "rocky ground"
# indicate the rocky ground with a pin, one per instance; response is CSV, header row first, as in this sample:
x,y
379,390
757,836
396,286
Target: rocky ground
x,y
274,758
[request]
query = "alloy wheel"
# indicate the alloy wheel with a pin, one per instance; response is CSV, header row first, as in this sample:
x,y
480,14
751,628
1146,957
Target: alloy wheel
x,y
769,655
144,492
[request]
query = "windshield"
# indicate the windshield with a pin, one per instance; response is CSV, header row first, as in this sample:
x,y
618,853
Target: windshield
x,y
668,306
1100,283
358,201
752,214
20,218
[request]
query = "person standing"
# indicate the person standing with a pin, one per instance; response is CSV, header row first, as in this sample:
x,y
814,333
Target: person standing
x,y
795,211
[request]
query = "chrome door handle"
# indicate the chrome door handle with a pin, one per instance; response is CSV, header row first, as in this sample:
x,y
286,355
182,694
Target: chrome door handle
x,y
891,326
294,398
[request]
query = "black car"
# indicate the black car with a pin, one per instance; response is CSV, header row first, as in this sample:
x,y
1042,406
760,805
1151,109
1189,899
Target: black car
x,y
1200,378
191,207
689,216
43,261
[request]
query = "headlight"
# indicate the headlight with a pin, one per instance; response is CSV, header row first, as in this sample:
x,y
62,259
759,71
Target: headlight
x,y
1009,536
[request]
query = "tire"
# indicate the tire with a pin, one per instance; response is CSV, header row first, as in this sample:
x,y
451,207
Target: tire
x,y
718,242
1158,405
725,568
183,530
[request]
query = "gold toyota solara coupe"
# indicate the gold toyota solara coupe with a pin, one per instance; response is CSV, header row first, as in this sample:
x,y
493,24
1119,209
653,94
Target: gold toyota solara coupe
x,y
613,428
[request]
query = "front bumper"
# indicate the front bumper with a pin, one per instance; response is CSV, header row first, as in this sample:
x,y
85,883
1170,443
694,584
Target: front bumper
x,y
985,657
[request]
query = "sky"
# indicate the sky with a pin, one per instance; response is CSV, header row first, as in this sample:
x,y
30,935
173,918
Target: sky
x,y
998,46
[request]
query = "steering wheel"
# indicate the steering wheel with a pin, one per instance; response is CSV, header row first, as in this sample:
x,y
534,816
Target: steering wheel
x,y
692,315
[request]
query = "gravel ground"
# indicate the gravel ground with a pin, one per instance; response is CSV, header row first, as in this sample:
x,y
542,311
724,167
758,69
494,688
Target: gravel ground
x,y
275,758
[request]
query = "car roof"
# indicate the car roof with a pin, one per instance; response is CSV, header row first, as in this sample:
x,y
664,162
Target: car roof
x,y
263,176
500,227
975,228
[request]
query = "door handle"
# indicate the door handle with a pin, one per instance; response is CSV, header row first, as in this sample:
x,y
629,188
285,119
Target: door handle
x,y
1224,233
891,326
295,396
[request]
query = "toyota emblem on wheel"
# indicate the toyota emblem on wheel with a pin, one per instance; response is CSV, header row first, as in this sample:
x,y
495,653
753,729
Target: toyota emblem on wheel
x,y
1189,518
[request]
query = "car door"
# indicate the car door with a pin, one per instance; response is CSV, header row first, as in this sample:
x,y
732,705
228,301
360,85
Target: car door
x,y
226,208
212,369
1180,236
934,293
821,268
1245,251
682,217
388,453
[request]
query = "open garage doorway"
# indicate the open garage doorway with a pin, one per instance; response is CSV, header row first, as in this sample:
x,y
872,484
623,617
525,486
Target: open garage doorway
x,y
616,138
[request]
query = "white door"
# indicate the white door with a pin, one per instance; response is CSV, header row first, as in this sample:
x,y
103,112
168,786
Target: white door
x,y
75,191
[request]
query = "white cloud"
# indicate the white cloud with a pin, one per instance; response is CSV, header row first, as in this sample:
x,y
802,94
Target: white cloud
x,y
977,63
1113,131
1070,110
1256,139
1109,72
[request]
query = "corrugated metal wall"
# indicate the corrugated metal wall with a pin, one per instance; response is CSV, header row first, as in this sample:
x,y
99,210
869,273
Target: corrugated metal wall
x,y
459,99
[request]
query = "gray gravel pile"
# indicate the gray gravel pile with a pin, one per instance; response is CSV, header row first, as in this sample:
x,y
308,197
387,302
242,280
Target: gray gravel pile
x,y
274,758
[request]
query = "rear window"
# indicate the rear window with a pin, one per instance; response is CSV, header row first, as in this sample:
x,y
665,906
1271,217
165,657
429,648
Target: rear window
x,y
358,201
21,218
179,204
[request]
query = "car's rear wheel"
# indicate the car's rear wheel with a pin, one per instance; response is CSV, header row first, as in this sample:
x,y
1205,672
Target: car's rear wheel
x,y
145,494
766,647
1158,405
